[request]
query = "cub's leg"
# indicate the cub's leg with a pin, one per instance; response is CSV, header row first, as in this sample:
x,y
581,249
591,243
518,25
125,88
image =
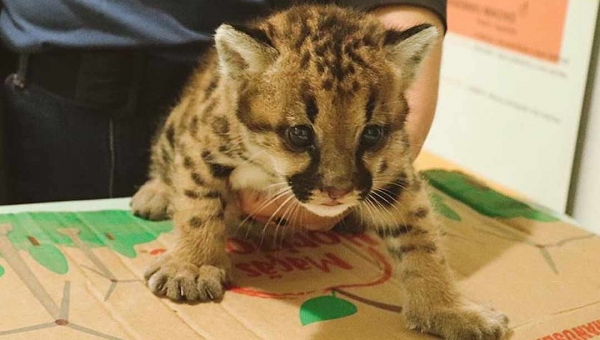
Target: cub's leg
x,y
152,200
196,268
432,302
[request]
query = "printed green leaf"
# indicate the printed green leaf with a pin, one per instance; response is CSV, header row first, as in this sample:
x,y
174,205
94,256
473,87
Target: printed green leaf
x,y
482,198
50,257
442,208
39,232
1,271
323,308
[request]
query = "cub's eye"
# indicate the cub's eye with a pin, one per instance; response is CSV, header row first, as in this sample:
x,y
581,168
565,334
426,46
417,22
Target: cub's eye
x,y
300,137
372,135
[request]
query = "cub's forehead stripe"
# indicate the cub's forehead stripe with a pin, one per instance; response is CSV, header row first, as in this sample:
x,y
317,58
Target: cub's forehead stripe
x,y
311,107
370,107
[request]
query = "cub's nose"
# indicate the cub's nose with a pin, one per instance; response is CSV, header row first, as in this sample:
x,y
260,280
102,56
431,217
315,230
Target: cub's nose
x,y
337,193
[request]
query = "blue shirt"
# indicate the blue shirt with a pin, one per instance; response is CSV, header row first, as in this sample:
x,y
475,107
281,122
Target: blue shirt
x,y
36,25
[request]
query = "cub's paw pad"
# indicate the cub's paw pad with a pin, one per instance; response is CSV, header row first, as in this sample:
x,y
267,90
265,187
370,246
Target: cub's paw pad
x,y
151,201
470,322
185,281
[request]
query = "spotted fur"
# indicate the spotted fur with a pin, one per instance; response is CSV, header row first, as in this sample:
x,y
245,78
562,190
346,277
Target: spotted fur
x,y
308,104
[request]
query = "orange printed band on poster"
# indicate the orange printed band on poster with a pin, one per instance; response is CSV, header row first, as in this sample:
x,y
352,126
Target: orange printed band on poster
x,y
530,27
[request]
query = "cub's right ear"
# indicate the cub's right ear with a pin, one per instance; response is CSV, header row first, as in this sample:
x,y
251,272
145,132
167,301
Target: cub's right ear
x,y
407,48
243,50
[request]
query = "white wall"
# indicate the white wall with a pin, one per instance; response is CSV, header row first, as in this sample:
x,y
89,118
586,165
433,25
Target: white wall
x,y
586,187
586,208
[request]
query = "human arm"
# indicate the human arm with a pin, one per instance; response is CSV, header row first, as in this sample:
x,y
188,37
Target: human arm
x,y
423,94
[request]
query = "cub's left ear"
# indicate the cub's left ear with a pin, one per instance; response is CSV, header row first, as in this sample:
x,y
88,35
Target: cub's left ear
x,y
243,50
407,48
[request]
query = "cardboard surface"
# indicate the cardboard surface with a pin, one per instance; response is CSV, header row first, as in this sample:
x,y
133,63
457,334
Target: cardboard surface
x,y
77,275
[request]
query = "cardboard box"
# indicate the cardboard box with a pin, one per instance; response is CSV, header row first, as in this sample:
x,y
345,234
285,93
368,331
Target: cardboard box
x,y
77,275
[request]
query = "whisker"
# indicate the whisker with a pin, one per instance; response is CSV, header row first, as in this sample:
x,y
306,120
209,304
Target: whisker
x,y
382,187
271,186
281,220
368,206
274,198
272,216
297,210
392,203
387,211
392,199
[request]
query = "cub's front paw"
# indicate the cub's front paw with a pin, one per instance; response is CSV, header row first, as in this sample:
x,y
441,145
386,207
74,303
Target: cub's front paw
x,y
151,201
468,322
182,281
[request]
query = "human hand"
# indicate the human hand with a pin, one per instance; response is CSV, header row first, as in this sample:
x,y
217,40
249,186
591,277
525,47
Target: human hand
x,y
266,210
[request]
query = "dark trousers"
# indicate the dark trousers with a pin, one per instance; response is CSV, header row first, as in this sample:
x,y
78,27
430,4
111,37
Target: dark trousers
x,y
8,64
79,125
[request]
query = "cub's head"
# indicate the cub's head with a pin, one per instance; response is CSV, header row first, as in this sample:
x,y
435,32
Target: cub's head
x,y
321,92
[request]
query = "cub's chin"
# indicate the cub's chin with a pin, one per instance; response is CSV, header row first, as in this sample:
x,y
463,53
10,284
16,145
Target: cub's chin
x,y
326,210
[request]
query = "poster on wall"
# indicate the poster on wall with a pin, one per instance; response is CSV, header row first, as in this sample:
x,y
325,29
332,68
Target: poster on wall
x,y
513,80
